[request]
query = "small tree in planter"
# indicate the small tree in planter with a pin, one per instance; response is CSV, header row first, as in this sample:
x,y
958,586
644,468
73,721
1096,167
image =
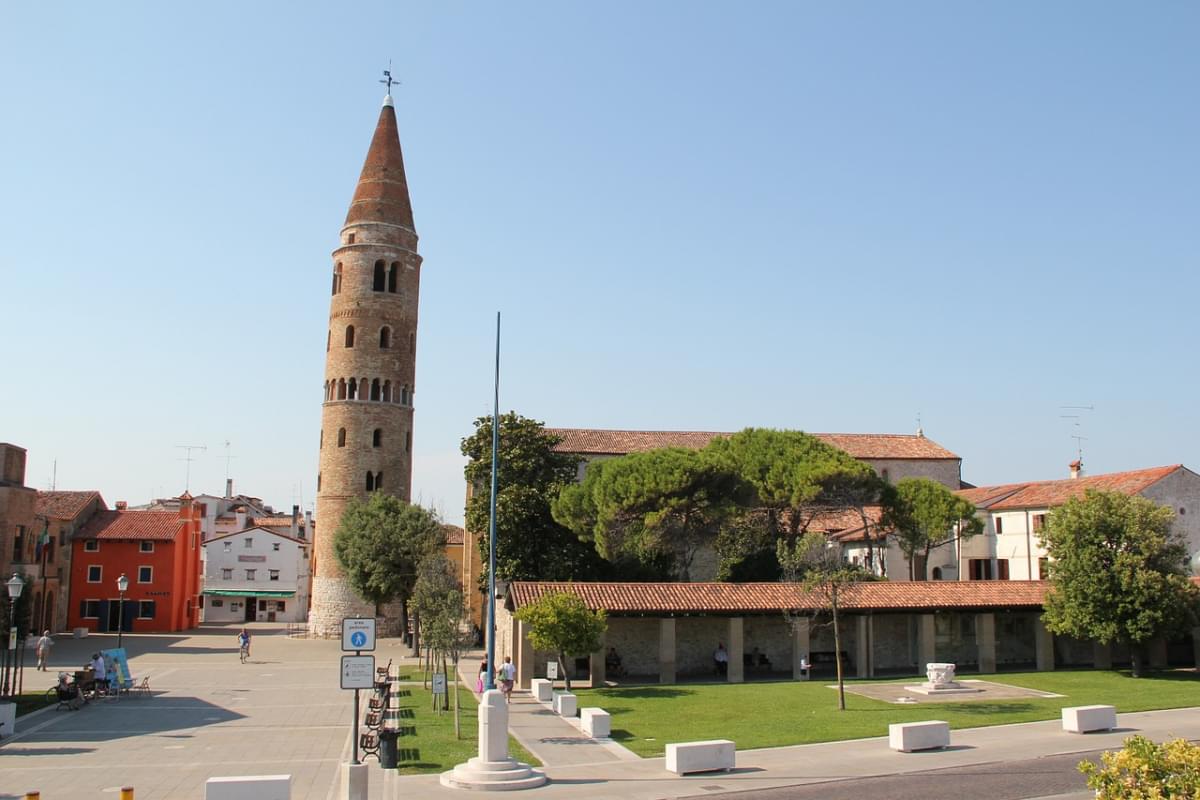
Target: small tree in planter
x,y
1143,770
561,623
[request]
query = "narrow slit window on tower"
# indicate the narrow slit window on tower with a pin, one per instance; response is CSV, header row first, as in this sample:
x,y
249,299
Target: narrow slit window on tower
x,y
408,441
337,278
377,438
378,480
375,390
318,481
393,276
412,343
387,391
341,437
328,341
321,439
370,481
350,238
385,337
377,286
349,336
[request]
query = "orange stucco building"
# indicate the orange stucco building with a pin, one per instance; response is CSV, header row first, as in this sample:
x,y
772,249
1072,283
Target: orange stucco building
x,y
159,553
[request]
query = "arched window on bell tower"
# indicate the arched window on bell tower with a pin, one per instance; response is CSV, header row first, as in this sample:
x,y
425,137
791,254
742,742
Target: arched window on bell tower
x,y
387,391
341,437
370,481
341,389
375,390
385,337
377,438
393,276
349,336
377,285
337,278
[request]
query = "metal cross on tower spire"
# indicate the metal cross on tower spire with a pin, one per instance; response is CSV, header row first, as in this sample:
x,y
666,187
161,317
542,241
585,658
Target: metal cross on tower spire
x,y
387,77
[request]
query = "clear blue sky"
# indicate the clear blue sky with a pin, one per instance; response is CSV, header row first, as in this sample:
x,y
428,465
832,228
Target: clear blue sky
x,y
693,216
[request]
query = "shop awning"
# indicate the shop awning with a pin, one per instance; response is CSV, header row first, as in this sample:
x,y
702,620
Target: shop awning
x,y
246,593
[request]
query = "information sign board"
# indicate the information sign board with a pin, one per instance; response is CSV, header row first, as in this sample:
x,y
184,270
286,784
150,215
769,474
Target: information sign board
x,y
439,683
358,672
358,633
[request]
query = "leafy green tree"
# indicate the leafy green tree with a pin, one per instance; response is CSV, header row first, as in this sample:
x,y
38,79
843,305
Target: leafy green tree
x,y
654,508
530,545
925,515
561,623
1117,572
438,601
817,566
380,543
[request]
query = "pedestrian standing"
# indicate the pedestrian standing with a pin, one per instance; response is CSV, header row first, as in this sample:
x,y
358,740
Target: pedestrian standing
x,y
43,650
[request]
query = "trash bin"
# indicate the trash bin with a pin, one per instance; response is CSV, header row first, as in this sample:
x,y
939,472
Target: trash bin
x,y
389,750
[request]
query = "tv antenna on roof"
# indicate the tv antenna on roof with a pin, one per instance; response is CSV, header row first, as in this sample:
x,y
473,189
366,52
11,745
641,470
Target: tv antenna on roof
x,y
388,79
227,458
187,480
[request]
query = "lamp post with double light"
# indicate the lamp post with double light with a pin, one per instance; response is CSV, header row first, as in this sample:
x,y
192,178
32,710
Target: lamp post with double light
x,y
14,586
122,585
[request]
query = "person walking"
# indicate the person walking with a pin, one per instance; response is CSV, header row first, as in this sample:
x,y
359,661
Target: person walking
x,y
721,659
508,675
244,645
482,678
43,650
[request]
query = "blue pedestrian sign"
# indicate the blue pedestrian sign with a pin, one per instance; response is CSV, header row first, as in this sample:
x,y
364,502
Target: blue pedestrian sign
x,y
358,633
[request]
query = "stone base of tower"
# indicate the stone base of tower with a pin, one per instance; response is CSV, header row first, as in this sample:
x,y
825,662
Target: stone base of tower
x,y
333,600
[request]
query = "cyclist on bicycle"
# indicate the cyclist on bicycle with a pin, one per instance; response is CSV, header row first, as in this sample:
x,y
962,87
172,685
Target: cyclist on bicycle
x,y
244,645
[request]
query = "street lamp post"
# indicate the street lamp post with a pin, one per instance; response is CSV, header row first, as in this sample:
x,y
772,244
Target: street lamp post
x,y
122,585
14,586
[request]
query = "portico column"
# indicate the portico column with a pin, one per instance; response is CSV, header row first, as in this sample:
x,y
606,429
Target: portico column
x,y
985,638
863,662
523,655
800,645
735,673
1158,653
666,650
1044,642
596,664
926,643
1101,655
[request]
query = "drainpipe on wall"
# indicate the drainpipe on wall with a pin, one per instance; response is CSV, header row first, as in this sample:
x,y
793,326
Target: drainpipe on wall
x,y
1028,547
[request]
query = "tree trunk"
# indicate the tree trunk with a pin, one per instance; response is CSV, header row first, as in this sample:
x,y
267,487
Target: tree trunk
x,y
837,651
404,637
1135,659
912,557
457,684
416,635
562,666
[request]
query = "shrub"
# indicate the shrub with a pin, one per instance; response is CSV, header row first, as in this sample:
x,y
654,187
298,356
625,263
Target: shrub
x,y
1143,770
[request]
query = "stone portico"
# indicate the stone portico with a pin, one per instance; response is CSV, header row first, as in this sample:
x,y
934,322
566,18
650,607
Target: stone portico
x,y
668,632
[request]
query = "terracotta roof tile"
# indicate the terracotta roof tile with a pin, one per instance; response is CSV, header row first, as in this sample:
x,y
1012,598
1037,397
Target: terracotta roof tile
x,y
590,441
624,599
65,505
131,525
1050,494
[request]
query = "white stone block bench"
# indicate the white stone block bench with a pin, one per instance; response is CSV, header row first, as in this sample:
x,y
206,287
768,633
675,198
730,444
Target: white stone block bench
x,y
909,736
716,754
1082,719
596,722
79,633
565,704
249,787
542,690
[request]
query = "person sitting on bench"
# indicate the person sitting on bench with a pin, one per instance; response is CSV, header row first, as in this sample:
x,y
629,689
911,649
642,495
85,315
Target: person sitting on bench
x,y
612,663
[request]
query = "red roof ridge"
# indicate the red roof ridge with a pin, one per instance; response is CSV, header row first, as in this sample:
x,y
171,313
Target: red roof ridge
x,y
1055,491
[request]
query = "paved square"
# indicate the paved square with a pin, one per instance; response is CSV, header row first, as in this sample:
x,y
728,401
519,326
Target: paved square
x,y
208,715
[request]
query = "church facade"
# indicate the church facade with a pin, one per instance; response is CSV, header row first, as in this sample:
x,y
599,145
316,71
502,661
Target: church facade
x,y
370,364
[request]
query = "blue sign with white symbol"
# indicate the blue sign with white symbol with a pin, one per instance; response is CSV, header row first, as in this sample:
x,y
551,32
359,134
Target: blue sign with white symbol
x,y
358,633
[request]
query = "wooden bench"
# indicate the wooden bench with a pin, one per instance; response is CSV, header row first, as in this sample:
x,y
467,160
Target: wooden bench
x,y
716,754
368,743
597,723
1084,719
909,736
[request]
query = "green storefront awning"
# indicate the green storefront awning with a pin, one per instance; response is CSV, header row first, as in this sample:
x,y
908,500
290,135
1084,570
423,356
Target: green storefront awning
x,y
246,593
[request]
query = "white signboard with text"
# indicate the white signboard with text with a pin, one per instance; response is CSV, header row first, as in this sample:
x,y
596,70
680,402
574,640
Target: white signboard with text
x,y
358,633
358,672
439,683
552,670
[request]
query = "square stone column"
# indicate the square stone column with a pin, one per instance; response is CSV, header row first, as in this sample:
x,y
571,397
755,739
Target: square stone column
x,y
666,650
523,655
596,664
1101,655
985,639
800,645
926,642
863,662
736,648
1158,653
1044,642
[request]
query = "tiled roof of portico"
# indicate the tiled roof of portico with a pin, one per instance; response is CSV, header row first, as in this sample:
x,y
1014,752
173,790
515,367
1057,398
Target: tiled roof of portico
x,y
682,599
593,441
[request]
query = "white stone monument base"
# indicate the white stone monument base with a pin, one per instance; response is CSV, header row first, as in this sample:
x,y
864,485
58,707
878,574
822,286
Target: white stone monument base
x,y
493,776
941,689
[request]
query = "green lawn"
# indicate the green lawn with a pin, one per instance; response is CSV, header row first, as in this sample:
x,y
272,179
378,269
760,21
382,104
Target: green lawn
x,y
646,718
427,743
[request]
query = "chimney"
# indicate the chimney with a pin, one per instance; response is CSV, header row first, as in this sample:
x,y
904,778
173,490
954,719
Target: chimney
x,y
228,488
308,525
295,521
121,505
1076,468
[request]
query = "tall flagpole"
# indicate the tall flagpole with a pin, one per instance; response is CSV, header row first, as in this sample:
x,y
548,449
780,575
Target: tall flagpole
x,y
491,642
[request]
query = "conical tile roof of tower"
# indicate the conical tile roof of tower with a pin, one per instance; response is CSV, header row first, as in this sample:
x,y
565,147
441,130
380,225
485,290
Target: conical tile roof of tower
x,y
382,191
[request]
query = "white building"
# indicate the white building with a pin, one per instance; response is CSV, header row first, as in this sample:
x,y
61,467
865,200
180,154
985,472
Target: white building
x,y
256,575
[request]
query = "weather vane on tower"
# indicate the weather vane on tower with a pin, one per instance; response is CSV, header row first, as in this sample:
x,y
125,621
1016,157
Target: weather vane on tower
x,y
387,77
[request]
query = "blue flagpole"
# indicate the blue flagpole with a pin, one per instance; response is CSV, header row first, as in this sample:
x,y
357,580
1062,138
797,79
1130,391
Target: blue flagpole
x,y
491,639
